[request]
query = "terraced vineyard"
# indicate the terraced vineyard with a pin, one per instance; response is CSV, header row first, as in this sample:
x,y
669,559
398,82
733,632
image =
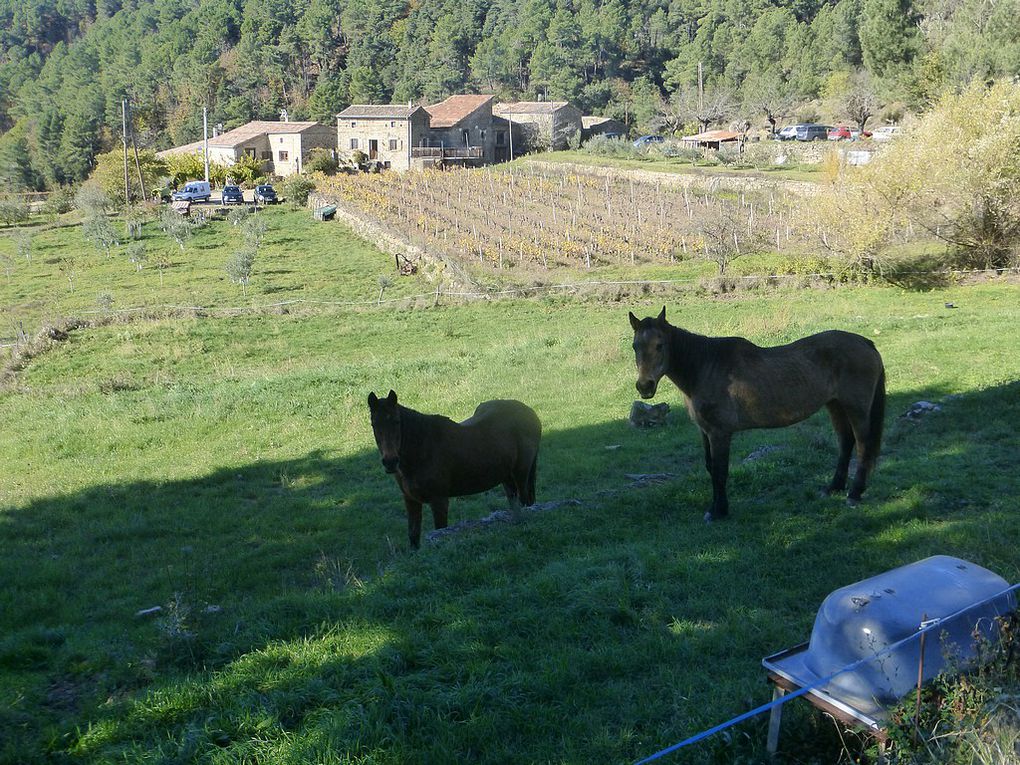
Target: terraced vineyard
x,y
548,217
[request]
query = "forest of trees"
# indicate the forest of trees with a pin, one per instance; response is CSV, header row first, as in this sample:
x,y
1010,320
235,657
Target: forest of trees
x,y
65,65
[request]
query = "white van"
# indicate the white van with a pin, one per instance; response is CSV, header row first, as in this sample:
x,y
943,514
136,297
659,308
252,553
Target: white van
x,y
886,133
193,191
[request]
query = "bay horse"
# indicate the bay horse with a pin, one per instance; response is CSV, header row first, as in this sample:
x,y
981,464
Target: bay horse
x,y
731,384
434,458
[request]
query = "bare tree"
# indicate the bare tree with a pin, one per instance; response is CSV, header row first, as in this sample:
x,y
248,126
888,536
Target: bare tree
x,y
769,96
685,106
860,102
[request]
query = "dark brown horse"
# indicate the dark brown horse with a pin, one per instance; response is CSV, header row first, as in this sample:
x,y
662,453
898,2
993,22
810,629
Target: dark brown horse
x,y
434,458
731,384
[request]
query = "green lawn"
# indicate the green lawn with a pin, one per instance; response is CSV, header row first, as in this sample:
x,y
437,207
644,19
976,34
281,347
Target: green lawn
x,y
224,469
299,260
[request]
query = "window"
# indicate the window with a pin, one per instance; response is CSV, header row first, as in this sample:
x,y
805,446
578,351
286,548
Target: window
x,y
393,144
353,123
284,155
393,123
267,155
483,136
500,138
354,144
250,152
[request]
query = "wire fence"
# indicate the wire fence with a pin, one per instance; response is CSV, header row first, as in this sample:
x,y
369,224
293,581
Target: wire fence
x,y
439,293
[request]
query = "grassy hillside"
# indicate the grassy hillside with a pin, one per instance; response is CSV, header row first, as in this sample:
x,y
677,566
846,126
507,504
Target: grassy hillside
x,y
299,259
224,469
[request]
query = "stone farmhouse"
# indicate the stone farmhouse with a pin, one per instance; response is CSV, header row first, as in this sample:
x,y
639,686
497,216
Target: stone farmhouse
x,y
457,131
384,134
540,124
283,146
462,130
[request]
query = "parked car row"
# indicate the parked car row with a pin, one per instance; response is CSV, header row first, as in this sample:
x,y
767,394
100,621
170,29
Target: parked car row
x,y
816,132
201,191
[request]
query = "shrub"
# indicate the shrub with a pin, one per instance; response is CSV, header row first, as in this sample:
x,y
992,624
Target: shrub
x,y
297,188
239,267
952,178
59,202
13,210
92,200
321,161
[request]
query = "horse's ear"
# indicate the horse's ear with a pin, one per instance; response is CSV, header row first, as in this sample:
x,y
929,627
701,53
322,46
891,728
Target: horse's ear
x,y
392,398
635,322
372,400
662,316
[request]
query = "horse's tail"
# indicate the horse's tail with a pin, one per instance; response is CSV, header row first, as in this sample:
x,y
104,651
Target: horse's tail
x,y
876,418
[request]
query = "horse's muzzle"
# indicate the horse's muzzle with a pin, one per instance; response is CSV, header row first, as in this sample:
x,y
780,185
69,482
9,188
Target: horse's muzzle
x,y
646,388
390,464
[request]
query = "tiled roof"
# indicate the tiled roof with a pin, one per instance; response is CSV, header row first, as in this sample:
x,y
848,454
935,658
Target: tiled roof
x,y
377,112
191,148
245,133
530,107
448,113
589,121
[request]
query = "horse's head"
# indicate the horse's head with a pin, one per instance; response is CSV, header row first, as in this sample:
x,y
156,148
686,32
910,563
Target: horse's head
x,y
651,351
386,428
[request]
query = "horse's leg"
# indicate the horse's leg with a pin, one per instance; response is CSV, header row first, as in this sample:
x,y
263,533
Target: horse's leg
x,y
719,443
440,509
513,496
865,454
708,452
845,436
413,521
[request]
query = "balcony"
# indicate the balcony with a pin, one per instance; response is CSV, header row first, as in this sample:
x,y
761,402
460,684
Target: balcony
x,y
447,152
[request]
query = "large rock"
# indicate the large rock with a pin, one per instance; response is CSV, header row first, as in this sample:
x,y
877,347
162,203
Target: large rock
x,y
644,415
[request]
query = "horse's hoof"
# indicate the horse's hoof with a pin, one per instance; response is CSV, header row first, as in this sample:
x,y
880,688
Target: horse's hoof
x,y
853,501
708,517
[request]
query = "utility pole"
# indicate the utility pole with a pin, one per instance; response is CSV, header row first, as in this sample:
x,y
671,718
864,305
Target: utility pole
x,y
123,117
134,146
510,129
701,89
205,134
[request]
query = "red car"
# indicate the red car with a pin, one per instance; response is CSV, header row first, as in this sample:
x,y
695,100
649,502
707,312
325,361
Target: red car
x,y
844,133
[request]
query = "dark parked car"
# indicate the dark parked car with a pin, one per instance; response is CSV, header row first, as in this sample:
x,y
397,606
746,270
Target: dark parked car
x,y
266,195
232,195
648,140
813,132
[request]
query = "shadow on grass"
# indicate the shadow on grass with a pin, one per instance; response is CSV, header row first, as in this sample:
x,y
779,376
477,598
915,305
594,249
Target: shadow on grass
x,y
295,627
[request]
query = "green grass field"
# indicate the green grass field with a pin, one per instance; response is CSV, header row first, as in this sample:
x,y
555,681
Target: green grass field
x,y
300,260
224,469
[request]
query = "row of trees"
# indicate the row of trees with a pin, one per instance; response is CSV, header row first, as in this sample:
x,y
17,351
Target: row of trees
x,y
66,64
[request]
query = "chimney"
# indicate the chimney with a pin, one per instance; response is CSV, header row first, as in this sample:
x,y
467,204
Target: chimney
x,y
284,116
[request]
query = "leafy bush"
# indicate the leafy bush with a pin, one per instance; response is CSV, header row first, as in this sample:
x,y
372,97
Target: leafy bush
x,y
321,160
59,202
239,267
13,210
296,189
601,146
92,200
109,173
951,178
